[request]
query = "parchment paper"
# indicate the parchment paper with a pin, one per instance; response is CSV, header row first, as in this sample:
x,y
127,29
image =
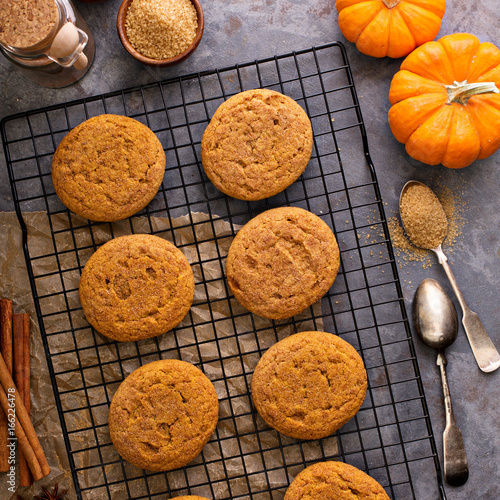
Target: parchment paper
x,y
195,234
14,284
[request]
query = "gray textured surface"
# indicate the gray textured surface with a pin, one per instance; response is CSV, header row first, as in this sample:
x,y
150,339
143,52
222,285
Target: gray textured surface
x,y
243,30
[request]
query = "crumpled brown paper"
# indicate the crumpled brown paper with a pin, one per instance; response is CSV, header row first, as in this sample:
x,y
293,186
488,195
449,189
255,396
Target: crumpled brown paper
x,y
205,242
14,284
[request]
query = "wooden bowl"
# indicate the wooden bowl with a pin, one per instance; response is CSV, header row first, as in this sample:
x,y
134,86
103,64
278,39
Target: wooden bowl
x,y
122,33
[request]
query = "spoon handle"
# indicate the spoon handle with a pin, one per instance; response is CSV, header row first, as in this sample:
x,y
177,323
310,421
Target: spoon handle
x,y
484,350
456,468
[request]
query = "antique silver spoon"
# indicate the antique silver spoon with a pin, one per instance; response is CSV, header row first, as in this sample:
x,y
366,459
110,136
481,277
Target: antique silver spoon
x,y
436,324
484,350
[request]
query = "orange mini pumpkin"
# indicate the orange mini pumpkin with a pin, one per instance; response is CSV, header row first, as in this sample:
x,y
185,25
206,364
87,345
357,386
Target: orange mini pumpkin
x,y
446,102
391,28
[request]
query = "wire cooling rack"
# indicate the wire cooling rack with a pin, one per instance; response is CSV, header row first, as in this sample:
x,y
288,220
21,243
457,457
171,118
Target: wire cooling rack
x,y
390,438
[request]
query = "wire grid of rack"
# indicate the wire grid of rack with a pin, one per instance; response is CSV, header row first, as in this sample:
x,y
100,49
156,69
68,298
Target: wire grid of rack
x,y
390,438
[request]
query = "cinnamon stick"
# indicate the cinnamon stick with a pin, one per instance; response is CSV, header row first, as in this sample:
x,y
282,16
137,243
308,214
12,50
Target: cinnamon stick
x,y
27,374
6,350
20,322
23,441
27,439
27,363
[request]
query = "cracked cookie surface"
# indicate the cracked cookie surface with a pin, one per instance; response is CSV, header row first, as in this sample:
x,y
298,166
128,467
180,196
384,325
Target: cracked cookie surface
x,y
135,287
190,497
162,415
308,385
257,143
108,167
334,481
281,262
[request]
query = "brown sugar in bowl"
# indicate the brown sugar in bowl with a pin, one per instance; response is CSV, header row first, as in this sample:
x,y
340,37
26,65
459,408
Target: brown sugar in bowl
x,y
122,33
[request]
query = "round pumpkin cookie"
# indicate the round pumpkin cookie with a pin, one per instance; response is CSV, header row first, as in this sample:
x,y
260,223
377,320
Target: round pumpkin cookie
x,y
334,481
281,262
257,143
108,168
190,497
135,287
162,415
308,385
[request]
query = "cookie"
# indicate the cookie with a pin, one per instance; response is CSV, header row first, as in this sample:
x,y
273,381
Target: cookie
x,y
309,385
135,287
281,262
162,415
190,497
334,481
257,143
108,168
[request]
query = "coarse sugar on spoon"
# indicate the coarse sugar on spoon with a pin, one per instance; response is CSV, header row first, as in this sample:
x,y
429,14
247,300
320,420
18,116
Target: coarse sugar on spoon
x,y
423,216
425,223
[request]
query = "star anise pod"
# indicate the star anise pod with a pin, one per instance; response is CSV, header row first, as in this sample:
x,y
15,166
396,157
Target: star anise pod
x,y
54,495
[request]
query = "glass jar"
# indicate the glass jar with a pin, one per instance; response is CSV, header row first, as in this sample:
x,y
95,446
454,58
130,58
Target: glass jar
x,y
41,48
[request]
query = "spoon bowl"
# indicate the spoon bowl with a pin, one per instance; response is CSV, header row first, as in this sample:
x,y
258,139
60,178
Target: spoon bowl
x,y
434,316
433,217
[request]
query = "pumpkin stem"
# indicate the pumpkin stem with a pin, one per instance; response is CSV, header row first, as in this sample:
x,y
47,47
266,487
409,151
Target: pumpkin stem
x,y
391,3
460,92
